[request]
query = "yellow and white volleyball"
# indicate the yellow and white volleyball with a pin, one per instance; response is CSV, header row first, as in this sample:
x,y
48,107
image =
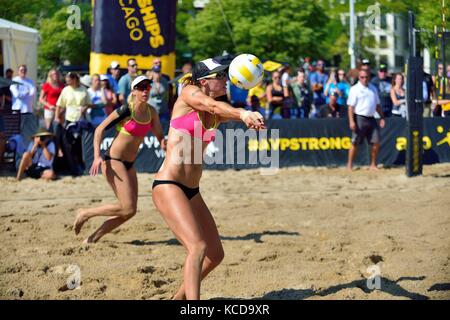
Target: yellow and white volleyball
x,y
246,71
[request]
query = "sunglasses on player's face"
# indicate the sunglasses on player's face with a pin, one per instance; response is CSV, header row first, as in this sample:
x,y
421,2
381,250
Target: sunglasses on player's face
x,y
143,87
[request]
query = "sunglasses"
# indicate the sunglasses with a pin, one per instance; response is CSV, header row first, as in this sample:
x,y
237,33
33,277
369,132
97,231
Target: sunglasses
x,y
366,77
133,65
143,87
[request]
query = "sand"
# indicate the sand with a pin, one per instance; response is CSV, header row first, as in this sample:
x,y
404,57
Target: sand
x,y
304,233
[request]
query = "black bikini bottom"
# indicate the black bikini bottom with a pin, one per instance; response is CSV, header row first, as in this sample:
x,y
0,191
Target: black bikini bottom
x,y
189,192
128,165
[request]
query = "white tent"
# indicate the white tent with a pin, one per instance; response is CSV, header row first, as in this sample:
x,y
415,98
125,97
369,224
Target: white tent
x,y
19,45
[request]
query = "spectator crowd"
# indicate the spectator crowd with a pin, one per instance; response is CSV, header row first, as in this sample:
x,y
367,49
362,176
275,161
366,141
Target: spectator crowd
x,y
70,104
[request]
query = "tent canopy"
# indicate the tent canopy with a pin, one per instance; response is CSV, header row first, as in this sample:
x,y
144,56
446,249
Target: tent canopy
x,y
19,46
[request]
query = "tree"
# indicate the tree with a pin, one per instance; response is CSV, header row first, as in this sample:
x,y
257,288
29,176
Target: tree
x,y
60,43
185,11
282,30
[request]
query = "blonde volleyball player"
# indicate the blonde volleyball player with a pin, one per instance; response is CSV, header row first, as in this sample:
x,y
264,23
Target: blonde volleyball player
x,y
196,115
133,122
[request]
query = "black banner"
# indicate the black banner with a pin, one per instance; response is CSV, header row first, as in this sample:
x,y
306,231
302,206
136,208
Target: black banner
x,y
128,27
294,143
139,29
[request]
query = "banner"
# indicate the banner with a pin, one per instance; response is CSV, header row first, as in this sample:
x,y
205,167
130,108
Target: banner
x,y
295,143
140,29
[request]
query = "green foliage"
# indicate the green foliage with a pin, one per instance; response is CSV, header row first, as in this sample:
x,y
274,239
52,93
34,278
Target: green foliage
x,y
60,43
282,30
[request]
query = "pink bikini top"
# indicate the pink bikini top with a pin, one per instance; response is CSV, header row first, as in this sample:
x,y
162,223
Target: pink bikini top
x,y
132,127
192,124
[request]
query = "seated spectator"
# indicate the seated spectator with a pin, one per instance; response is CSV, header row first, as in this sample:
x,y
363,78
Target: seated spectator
x,y
302,94
398,96
37,161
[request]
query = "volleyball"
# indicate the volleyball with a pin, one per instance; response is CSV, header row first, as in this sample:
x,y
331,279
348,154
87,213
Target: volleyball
x,y
246,71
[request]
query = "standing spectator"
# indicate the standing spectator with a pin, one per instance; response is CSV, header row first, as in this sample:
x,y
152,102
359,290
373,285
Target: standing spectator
x,y
318,80
362,103
37,161
237,96
331,86
159,94
114,76
302,94
306,65
383,84
23,94
108,96
96,114
5,93
398,96
366,67
70,108
275,96
126,80
50,92
185,69
256,99
344,88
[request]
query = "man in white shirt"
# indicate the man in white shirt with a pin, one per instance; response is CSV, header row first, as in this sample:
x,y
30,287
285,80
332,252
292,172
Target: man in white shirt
x,y
363,102
23,95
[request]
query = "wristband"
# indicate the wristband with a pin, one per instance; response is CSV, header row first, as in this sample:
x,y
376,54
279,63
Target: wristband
x,y
244,114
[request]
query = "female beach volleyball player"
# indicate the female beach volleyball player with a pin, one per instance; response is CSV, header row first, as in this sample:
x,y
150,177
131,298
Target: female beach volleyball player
x,y
133,122
196,114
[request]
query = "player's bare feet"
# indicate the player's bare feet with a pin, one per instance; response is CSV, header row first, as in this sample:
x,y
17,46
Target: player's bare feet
x,y
373,168
80,219
88,240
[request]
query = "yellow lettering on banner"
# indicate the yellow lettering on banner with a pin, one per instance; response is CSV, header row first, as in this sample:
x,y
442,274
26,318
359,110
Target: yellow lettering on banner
x,y
122,5
154,29
294,144
304,143
264,145
132,23
284,143
335,143
274,143
128,12
149,13
401,143
313,144
324,143
346,143
426,143
252,145
136,34
143,3
157,41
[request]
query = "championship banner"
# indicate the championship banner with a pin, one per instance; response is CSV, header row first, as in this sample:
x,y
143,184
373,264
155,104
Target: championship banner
x,y
290,143
140,29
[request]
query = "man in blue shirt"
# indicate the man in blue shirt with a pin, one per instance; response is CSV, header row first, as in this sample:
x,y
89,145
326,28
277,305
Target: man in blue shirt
x,y
37,162
126,80
318,80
